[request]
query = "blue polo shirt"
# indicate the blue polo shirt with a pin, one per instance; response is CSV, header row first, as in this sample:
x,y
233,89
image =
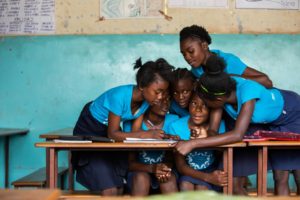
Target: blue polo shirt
x,y
269,102
234,65
116,100
196,159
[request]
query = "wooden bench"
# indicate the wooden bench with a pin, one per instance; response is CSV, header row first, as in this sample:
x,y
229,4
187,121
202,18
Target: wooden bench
x,y
38,178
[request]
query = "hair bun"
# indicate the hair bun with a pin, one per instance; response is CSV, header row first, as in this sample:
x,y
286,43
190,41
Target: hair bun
x,y
215,65
138,63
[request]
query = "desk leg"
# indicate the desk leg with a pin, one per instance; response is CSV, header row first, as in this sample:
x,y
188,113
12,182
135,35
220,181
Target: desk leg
x,y
70,171
52,173
47,167
262,171
228,168
6,158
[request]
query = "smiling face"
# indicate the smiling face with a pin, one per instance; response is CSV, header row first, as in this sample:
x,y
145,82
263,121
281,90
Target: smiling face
x,y
182,92
199,112
194,51
155,91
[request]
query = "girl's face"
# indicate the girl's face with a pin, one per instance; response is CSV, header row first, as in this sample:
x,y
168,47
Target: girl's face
x,y
162,108
154,92
199,112
183,91
194,52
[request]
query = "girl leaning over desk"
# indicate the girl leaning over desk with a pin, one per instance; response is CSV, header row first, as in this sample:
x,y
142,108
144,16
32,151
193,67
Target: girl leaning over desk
x,y
105,171
248,102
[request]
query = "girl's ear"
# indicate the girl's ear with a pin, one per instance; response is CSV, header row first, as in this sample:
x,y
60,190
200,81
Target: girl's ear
x,y
204,45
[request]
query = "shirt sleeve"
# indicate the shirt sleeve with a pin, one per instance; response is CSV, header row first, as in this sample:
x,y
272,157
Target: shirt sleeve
x,y
234,65
114,102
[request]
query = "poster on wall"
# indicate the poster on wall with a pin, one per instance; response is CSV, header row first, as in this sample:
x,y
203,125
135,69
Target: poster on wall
x,y
27,16
124,9
198,4
268,4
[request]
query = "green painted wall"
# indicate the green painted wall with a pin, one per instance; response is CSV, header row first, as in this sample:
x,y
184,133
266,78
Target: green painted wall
x,y
45,80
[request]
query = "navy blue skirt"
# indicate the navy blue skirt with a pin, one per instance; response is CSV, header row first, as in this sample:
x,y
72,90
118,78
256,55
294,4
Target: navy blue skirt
x,y
288,121
94,169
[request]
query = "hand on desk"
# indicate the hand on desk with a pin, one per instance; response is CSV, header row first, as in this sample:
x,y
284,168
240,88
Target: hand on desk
x,y
154,133
183,147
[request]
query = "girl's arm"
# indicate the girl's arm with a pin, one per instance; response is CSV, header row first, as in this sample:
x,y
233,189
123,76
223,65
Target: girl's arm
x,y
216,177
215,118
235,135
257,76
114,131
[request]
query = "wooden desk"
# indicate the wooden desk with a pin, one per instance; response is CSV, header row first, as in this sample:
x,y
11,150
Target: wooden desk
x,y
29,194
263,147
55,147
7,133
55,135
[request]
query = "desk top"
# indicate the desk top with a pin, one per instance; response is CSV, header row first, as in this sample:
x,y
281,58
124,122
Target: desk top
x,y
119,145
29,194
12,131
55,134
274,143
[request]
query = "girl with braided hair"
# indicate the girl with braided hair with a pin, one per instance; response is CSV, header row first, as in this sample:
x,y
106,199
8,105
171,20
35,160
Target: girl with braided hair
x,y
104,171
248,102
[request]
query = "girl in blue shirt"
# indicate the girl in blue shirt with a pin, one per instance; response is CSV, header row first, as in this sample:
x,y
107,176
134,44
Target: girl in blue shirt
x,y
182,87
198,168
152,169
194,42
103,171
248,102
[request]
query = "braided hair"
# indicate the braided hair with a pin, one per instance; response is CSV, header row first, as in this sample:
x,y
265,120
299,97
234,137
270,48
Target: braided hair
x,y
151,70
196,32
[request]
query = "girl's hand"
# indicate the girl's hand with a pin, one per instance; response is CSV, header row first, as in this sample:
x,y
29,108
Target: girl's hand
x,y
171,137
183,147
218,177
163,178
154,133
162,172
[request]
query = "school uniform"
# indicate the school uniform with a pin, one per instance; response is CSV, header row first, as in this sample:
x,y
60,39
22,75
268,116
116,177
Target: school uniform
x,y
175,108
234,65
102,170
200,160
278,109
150,157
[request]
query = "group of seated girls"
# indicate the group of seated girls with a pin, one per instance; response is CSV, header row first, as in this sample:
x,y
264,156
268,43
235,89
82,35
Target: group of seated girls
x,y
169,103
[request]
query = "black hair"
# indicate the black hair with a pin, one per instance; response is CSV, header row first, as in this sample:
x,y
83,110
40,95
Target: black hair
x,y
182,74
195,31
214,81
151,70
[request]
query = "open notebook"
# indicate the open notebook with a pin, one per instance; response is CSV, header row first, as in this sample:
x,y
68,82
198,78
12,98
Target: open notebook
x,y
262,135
82,139
149,140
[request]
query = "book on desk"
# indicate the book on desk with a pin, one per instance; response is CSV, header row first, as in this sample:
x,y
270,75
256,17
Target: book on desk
x,y
149,140
262,135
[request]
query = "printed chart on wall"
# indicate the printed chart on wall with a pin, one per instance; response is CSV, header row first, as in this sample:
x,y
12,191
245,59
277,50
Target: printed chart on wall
x,y
124,9
27,16
268,4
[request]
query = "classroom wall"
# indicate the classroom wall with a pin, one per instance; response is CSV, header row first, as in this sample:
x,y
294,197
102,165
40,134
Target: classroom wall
x,y
46,80
82,17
